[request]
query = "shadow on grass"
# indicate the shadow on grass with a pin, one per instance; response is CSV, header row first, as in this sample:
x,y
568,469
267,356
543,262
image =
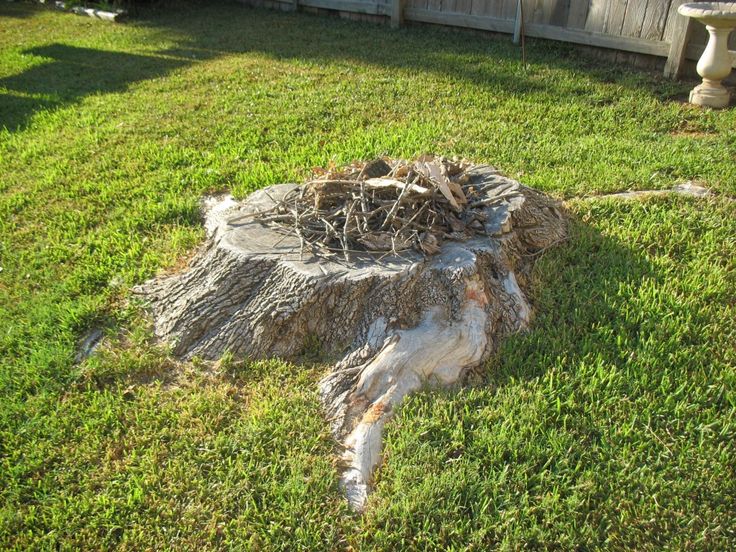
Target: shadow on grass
x,y
222,28
71,74
450,451
18,11
577,292
483,60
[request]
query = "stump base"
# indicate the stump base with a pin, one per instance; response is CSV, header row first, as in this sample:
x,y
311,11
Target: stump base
x,y
394,324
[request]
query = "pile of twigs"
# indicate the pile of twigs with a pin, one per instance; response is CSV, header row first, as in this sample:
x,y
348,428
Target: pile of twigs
x,y
382,206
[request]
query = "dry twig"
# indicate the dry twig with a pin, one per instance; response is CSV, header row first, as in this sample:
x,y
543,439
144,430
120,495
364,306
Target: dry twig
x,y
383,206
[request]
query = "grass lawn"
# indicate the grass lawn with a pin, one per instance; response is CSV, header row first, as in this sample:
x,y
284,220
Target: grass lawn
x,y
610,425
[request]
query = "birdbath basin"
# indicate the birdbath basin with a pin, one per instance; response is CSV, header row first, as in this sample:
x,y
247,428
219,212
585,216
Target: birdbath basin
x,y
715,63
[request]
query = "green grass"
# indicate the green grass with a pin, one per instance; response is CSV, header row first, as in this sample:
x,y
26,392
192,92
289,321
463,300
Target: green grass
x,y
611,425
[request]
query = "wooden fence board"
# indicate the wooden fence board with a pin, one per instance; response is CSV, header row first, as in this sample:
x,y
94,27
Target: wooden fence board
x,y
558,12
679,29
422,4
397,13
355,6
470,21
463,6
498,8
537,12
477,7
627,44
655,19
638,26
509,9
597,12
494,8
671,28
634,18
434,5
449,5
577,14
615,20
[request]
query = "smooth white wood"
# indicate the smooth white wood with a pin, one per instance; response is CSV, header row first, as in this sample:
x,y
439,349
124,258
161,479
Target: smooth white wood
x,y
436,352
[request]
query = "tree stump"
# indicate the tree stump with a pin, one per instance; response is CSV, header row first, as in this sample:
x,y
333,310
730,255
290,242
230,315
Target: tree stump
x,y
394,324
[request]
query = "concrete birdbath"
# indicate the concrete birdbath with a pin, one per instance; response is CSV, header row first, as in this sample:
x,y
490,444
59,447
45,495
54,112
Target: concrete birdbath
x,y
715,63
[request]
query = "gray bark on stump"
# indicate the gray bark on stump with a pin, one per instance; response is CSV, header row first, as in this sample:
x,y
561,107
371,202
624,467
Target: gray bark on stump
x,y
397,323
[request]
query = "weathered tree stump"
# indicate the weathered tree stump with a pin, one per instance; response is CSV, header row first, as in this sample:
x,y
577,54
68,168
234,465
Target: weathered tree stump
x,y
396,324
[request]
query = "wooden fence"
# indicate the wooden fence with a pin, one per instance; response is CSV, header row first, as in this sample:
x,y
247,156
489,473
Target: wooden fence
x,y
650,27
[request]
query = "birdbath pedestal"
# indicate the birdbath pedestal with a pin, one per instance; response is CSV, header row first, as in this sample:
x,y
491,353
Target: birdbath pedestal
x,y
715,63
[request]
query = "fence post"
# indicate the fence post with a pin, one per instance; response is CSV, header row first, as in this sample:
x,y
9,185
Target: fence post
x,y
682,26
397,13
518,22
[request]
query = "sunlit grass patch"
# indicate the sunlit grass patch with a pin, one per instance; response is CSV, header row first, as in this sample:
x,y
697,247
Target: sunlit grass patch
x,y
609,425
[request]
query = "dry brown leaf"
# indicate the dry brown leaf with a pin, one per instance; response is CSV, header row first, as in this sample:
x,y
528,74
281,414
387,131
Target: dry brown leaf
x,y
401,171
454,186
455,223
433,171
381,241
429,243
